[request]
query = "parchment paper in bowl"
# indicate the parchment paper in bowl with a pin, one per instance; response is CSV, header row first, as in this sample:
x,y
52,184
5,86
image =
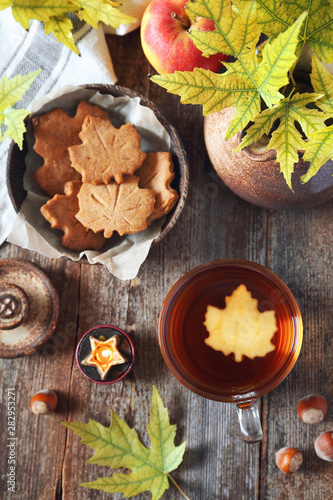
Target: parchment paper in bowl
x,y
124,255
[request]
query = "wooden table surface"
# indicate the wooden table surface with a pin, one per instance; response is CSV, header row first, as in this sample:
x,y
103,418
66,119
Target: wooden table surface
x,y
296,245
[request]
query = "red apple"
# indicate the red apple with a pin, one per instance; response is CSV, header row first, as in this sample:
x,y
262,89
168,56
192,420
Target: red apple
x,y
165,40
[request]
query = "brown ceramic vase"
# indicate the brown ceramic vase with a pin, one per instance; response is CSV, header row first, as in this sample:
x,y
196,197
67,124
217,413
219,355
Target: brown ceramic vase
x,y
256,177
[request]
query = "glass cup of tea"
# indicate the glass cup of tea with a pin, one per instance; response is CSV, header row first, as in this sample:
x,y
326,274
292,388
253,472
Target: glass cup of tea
x,y
212,373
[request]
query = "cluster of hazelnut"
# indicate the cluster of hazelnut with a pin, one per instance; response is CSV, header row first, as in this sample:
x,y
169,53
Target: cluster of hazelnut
x,y
311,410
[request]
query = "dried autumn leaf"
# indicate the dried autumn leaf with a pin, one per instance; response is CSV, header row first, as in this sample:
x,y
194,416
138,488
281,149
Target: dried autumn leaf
x,y
106,152
115,207
286,139
119,446
11,91
247,80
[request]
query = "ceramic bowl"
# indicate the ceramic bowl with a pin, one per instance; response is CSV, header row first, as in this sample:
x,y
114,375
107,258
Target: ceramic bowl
x,y
256,177
16,166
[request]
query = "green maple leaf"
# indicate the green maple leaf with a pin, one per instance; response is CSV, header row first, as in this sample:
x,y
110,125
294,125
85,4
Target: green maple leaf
x,y
53,13
119,446
247,80
286,139
11,91
317,31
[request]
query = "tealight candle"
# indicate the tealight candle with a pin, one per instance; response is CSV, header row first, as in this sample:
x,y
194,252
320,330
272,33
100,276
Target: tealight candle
x,y
105,354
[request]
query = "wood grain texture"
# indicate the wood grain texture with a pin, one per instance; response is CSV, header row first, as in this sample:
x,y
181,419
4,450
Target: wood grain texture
x,y
214,224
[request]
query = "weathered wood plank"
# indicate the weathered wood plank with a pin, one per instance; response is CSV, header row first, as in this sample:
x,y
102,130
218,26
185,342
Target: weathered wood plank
x,y
301,254
40,439
103,300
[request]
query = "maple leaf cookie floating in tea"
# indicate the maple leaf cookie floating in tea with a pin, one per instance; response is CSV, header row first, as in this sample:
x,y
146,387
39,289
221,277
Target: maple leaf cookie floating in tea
x,y
240,328
106,152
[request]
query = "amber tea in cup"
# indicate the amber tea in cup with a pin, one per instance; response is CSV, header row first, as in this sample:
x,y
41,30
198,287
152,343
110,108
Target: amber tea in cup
x,y
209,372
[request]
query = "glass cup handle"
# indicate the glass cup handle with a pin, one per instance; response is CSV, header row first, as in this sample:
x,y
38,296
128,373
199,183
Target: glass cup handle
x,y
249,421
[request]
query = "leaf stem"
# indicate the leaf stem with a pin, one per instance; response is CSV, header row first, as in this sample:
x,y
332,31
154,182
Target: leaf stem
x,y
291,76
178,487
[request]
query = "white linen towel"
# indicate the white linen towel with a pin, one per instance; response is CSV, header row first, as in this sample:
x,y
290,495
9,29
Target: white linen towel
x,y
24,51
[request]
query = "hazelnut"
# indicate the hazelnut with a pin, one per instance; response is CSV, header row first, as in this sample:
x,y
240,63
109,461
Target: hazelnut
x,y
44,402
312,408
324,446
288,460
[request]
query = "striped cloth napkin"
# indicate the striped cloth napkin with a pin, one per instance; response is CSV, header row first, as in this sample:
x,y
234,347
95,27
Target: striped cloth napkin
x,y
25,51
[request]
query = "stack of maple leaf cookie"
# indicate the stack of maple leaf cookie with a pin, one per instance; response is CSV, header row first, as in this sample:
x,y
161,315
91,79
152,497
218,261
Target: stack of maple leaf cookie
x,y
98,178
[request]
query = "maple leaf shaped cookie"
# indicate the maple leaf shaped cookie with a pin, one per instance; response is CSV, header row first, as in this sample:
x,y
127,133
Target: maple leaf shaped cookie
x,y
106,152
54,133
60,211
115,207
157,173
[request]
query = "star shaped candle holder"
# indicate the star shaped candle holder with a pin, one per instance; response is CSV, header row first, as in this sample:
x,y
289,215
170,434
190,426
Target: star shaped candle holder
x,y
105,354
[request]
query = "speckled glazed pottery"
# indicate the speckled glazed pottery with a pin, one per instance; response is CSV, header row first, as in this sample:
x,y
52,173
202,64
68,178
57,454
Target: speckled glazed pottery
x,y
256,177
29,308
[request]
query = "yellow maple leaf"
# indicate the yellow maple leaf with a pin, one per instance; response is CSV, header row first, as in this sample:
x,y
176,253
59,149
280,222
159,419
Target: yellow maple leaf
x,y
53,13
11,92
93,11
41,10
61,27
248,80
286,139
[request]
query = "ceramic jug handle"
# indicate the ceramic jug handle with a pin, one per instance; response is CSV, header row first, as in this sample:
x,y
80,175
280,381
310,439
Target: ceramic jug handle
x,y
249,421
